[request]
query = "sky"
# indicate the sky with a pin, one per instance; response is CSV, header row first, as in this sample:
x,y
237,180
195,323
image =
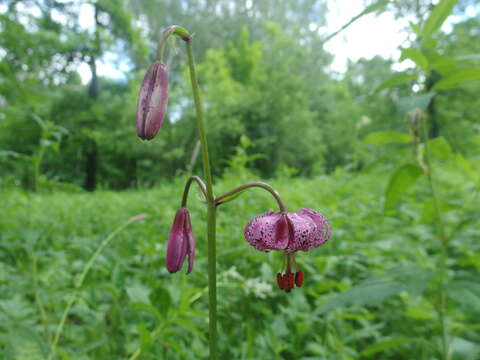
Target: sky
x,y
361,39
369,36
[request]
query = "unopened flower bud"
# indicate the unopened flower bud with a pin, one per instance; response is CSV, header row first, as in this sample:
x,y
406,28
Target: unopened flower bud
x,y
181,242
152,101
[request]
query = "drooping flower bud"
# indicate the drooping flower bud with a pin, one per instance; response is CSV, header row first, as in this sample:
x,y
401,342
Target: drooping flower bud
x,y
152,101
181,242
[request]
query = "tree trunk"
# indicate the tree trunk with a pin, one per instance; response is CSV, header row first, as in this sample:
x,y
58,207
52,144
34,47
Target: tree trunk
x,y
91,162
434,129
91,167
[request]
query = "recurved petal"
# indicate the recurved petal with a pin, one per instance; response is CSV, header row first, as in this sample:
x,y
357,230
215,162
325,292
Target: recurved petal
x,y
177,242
269,231
323,226
303,231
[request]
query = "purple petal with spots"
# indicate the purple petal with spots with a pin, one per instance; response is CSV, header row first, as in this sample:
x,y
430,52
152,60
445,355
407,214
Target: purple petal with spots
x,y
323,227
302,230
269,231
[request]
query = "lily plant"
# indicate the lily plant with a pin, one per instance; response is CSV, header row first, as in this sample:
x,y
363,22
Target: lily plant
x,y
284,231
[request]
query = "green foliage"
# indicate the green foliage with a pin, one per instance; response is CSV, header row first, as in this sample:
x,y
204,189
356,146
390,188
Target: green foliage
x,y
371,285
438,15
337,143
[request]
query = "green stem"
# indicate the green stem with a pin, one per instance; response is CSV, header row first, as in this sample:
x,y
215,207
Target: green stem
x,y
440,231
271,190
211,210
201,185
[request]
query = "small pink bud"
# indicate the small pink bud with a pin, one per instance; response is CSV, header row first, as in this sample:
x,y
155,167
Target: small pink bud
x,y
152,101
181,242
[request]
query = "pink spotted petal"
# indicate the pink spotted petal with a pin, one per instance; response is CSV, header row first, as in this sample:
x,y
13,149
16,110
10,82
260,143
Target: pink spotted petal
x,y
303,232
269,231
323,227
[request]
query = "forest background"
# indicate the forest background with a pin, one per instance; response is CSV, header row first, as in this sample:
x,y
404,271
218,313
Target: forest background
x,y
391,157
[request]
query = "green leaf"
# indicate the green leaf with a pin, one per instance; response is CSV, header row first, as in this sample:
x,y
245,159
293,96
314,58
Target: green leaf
x,y
406,104
441,63
458,78
416,28
143,307
416,56
378,288
439,148
467,167
466,293
138,293
404,177
160,298
387,137
145,336
385,345
438,15
396,80
465,349
26,344
367,293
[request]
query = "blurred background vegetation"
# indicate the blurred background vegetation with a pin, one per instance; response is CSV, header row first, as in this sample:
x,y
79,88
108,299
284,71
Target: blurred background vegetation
x,y
398,280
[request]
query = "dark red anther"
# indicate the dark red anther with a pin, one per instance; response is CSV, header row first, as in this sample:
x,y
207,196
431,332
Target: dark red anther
x,y
280,282
299,278
291,280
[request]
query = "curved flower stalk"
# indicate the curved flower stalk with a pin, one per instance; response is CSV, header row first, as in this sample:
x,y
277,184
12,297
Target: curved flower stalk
x,y
288,232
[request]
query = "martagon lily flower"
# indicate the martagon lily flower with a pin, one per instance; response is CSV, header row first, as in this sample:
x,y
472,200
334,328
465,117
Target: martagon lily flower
x,y
181,242
289,232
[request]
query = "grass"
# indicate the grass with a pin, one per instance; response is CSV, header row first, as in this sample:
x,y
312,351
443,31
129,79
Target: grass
x,y
368,293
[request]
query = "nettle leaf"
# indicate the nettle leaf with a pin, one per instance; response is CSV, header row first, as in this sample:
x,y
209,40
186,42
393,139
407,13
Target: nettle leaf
x,y
387,137
161,299
386,345
138,293
440,149
379,288
404,177
416,56
465,349
406,104
466,293
458,78
27,345
437,17
467,166
395,81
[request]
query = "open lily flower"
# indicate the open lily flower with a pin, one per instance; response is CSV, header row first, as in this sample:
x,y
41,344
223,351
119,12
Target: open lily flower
x,y
181,242
301,230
